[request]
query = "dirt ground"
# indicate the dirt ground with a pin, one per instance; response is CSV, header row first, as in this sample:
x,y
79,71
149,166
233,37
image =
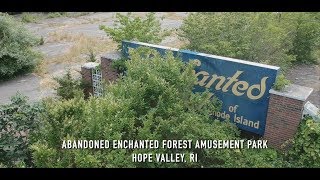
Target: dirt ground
x,y
67,41
309,76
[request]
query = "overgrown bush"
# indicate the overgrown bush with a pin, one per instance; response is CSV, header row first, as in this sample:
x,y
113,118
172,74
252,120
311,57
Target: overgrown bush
x,y
17,121
135,28
66,14
29,17
119,65
91,56
56,14
305,150
281,82
16,43
306,41
41,42
270,38
153,101
68,87
131,109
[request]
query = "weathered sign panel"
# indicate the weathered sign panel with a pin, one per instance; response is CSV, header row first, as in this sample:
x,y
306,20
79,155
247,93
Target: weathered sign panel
x,y
242,86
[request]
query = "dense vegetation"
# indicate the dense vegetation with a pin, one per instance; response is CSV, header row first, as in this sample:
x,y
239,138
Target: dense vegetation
x,y
68,87
17,121
271,38
146,29
16,43
305,151
154,99
158,105
27,17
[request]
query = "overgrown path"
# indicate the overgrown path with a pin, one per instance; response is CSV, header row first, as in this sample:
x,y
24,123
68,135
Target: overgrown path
x,y
67,41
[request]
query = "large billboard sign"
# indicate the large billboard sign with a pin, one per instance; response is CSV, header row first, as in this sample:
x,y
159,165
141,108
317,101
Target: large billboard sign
x,y
242,86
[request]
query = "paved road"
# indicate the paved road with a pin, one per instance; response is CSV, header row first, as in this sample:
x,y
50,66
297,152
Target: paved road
x,y
26,84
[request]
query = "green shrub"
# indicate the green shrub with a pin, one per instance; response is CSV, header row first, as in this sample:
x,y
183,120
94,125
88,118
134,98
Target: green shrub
x,y
256,158
66,14
16,53
68,86
17,121
76,14
129,28
250,36
306,41
305,150
29,17
119,65
153,101
142,105
41,42
281,82
56,14
272,38
91,56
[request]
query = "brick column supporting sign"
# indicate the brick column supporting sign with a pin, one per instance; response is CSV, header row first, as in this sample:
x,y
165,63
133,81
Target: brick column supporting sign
x,y
285,113
86,73
108,73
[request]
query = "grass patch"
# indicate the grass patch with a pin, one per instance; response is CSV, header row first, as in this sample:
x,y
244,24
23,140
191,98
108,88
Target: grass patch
x,y
30,17
82,45
55,14
42,68
74,58
138,14
48,82
77,14
94,20
173,16
66,14
91,56
59,36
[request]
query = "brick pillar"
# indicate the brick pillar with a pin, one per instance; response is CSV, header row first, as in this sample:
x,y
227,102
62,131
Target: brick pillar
x,y
285,113
86,73
108,73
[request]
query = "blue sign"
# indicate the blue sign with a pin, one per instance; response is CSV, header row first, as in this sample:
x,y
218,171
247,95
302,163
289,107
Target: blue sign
x,y
242,86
